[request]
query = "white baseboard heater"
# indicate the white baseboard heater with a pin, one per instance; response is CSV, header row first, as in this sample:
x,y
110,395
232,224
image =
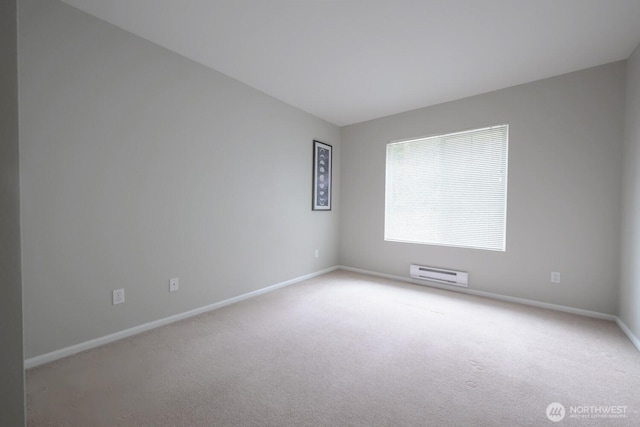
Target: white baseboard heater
x,y
440,275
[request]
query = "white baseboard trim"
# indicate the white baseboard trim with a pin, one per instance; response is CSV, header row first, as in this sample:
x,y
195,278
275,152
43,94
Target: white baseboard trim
x,y
588,313
87,345
634,339
533,303
77,348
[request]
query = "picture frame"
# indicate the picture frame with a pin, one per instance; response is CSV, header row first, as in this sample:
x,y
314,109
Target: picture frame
x,y
322,176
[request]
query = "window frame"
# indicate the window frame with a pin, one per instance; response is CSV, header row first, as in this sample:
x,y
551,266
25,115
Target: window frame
x,y
505,174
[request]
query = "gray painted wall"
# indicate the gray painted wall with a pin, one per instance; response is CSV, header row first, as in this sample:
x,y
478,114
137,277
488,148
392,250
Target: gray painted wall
x,y
564,189
11,366
137,166
630,281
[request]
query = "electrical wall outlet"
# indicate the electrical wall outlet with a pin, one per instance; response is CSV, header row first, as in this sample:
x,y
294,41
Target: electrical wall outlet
x,y
555,277
174,284
118,296
317,253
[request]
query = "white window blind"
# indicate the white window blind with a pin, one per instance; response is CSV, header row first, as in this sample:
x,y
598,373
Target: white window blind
x,y
449,190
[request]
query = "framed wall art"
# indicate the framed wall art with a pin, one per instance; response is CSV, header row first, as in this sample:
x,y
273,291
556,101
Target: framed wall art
x,y
321,176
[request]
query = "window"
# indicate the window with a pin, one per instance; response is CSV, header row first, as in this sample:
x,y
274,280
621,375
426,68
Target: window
x,y
449,190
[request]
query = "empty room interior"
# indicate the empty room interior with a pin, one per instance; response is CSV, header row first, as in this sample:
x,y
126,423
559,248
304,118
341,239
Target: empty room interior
x,y
320,213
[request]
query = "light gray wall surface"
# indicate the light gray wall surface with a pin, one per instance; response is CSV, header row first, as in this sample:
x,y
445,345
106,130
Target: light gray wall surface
x,y
564,189
630,281
11,364
137,166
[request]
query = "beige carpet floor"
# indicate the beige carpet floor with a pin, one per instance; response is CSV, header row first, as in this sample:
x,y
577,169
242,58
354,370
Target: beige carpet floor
x,y
345,349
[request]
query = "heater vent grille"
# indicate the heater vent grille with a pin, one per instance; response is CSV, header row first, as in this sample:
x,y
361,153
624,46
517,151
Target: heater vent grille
x,y
440,275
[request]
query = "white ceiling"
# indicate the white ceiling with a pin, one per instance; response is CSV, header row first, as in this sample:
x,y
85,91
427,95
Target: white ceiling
x,y
348,61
